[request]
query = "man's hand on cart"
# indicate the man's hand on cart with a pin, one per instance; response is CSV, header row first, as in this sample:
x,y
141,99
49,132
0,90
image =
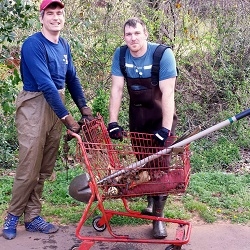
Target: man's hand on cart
x,y
161,136
86,115
71,124
115,131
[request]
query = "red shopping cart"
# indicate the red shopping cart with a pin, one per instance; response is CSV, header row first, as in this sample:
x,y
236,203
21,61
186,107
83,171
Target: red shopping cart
x,y
122,170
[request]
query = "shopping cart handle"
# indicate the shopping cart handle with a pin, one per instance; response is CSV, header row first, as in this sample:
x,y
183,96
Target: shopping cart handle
x,y
72,134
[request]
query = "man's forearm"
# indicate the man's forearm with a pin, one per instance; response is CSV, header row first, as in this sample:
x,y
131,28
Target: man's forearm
x,y
168,102
114,107
115,98
167,114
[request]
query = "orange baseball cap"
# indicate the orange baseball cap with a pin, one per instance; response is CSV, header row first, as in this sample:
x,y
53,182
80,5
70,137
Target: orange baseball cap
x,y
46,3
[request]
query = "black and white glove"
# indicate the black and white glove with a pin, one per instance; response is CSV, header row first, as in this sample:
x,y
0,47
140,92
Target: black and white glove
x,y
115,131
161,136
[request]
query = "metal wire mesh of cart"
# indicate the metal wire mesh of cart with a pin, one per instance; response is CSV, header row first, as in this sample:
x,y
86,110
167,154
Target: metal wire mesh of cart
x,y
123,168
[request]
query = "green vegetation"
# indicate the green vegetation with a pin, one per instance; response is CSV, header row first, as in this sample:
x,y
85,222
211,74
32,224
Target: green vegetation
x,y
219,196
211,42
211,195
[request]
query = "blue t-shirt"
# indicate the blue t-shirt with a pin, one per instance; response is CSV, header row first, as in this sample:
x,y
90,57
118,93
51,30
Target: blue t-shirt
x,y
46,67
140,67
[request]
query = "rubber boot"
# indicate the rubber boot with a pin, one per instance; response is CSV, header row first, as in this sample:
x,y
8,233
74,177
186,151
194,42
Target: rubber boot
x,y
149,209
159,227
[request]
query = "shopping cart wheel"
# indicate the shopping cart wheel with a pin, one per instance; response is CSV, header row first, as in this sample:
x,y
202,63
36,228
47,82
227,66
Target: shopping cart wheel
x,y
96,226
75,247
173,247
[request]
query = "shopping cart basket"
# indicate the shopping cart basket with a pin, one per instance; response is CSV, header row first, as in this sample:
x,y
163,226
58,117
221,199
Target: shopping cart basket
x,y
122,170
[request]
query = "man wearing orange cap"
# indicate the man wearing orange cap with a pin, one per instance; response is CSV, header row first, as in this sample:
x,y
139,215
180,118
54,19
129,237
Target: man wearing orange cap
x,y
46,69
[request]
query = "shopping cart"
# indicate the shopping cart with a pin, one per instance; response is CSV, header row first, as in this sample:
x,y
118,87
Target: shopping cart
x,y
122,170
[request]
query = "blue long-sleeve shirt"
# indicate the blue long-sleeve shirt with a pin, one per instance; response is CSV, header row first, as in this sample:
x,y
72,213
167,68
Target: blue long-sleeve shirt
x,y
46,67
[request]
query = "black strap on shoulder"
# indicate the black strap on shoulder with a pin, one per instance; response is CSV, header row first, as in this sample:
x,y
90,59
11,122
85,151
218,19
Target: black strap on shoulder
x,y
122,60
156,62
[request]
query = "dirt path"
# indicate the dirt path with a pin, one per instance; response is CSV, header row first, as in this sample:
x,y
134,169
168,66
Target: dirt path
x,y
217,236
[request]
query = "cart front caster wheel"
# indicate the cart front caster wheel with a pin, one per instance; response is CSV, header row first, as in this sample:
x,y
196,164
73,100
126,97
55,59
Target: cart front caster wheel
x,y
75,247
96,226
173,247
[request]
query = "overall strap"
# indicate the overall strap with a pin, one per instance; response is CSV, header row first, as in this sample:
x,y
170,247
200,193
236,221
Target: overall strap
x,y
122,60
156,62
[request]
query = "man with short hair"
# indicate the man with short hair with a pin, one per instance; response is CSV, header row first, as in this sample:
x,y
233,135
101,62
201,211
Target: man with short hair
x,y
152,105
46,69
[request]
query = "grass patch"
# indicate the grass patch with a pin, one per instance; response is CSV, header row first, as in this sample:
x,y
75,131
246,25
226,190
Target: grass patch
x,y
213,155
218,195
212,195
5,189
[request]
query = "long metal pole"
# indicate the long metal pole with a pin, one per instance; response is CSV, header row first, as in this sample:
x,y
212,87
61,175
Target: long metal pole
x,y
141,163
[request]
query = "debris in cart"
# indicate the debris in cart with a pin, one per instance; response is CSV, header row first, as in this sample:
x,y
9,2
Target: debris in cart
x,y
168,173
132,168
